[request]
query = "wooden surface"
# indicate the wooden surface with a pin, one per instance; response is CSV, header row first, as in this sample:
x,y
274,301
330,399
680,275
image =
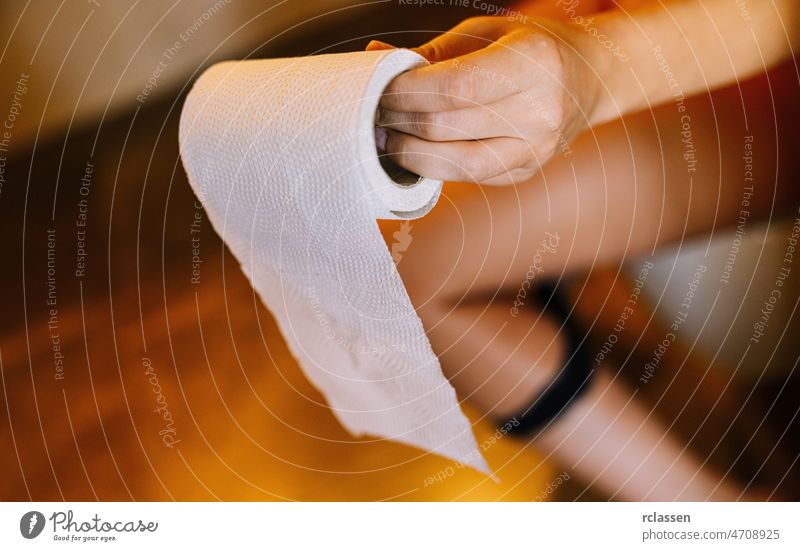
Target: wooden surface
x,y
237,421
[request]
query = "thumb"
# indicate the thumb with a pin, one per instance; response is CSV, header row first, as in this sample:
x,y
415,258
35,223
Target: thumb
x,y
447,46
375,45
466,37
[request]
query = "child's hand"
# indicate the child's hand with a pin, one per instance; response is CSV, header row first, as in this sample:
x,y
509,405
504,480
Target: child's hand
x,y
498,101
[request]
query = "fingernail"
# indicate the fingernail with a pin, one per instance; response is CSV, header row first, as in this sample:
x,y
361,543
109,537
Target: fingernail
x,y
381,135
378,45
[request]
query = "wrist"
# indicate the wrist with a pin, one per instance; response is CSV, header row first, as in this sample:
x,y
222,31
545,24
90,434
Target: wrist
x,y
591,64
610,59
584,63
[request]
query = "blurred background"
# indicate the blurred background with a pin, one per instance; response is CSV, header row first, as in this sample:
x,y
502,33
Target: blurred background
x,y
137,363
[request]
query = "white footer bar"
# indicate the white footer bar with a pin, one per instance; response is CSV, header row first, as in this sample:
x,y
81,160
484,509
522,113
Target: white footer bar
x,y
401,526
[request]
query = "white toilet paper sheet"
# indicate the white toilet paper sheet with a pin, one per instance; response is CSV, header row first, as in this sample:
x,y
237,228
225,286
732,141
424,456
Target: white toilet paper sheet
x,y
281,153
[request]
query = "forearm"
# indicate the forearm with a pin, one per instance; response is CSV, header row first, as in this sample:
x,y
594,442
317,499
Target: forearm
x,y
685,47
501,97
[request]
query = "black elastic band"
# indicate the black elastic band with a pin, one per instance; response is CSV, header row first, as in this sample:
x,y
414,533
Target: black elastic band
x,y
573,379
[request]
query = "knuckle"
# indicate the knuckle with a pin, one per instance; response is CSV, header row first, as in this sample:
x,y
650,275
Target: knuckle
x,y
523,156
545,51
416,124
545,149
426,125
548,115
527,157
525,174
476,167
543,44
552,144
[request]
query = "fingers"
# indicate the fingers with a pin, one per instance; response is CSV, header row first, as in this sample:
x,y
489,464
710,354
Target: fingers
x,y
488,110
501,119
513,177
473,123
464,161
378,45
468,36
480,77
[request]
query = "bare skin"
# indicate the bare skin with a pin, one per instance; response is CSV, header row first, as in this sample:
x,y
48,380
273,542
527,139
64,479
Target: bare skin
x,y
501,96
617,192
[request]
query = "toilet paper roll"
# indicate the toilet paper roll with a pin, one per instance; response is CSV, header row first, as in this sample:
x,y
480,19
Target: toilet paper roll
x,y
282,155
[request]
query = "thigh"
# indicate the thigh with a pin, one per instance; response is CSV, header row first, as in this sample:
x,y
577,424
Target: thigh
x,y
579,209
